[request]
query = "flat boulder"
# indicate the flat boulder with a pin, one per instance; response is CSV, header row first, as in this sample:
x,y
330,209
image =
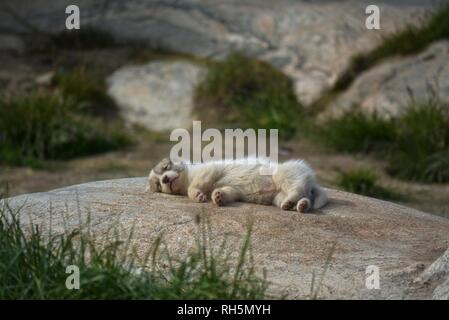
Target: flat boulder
x,y
157,95
336,248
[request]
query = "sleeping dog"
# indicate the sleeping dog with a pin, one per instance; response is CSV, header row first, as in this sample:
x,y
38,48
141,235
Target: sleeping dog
x,y
291,186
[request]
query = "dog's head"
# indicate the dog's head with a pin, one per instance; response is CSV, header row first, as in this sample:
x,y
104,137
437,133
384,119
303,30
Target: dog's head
x,y
166,177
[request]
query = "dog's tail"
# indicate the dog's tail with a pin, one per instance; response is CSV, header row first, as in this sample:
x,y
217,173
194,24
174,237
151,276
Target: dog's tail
x,y
320,198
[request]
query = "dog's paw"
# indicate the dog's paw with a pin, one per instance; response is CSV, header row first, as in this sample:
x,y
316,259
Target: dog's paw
x,y
218,198
200,197
303,205
287,205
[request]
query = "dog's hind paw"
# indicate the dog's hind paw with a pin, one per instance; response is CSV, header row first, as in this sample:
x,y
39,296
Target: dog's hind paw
x,y
287,205
217,198
303,205
200,197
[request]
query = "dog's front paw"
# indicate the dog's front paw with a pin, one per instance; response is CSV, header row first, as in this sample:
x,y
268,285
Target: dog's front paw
x,y
200,197
303,205
218,198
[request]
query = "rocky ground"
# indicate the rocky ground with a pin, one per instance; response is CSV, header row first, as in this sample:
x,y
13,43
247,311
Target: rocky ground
x,y
312,42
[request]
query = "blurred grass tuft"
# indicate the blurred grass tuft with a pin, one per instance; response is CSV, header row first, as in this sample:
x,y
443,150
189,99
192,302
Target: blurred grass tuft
x,y
41,127
248,93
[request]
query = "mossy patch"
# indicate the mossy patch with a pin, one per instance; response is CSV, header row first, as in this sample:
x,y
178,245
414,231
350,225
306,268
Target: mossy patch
x,y
365,182
42,127
247,93
415,144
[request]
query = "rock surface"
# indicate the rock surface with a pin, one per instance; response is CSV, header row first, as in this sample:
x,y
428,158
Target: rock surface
x,y
393,85
290,246
438,272
311,41
158,95
442,291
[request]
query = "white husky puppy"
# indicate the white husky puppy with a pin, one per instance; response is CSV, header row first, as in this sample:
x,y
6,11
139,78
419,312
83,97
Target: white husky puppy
x,y
291,186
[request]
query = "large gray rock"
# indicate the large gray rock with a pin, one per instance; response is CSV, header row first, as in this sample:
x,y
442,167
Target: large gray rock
x,y
290,246
311,41
438,272
158,95
11,43
391,86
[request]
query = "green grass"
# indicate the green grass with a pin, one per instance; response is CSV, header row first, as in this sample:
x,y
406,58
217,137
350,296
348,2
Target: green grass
x,y
357,132
33,266
87,90
250,94
415,144
364,182
86,38
42,127
412,39
422,143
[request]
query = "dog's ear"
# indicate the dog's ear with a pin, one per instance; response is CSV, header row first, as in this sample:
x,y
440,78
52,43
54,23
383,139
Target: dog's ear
x,y
166,162
153,184
162,166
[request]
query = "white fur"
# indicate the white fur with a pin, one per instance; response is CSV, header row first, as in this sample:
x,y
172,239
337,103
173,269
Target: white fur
x,y
292,184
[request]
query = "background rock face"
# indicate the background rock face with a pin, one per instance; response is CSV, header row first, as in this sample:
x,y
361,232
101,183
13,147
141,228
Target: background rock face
x,y
290,246
158,95
11,43
312,42
394,84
